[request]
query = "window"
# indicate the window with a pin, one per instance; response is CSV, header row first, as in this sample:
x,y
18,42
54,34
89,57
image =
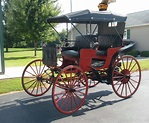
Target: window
x,y
112,24
126,34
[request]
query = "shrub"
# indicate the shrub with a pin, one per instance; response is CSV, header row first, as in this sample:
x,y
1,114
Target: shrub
x,y
133,53
144,54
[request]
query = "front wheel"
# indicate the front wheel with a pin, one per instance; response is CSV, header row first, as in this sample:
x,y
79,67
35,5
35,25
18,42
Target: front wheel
x,y
36,78
70,89
126,76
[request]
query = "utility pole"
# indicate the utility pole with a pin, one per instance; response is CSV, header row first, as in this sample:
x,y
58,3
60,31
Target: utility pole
x,y
71,32
70,5
2,68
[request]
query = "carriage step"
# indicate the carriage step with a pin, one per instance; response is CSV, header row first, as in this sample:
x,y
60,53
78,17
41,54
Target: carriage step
x,y
106,82
97,63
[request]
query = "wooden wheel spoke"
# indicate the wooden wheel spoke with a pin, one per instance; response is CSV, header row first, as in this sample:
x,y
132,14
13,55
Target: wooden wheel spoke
x,y
44,85
123,63
42,70
41,87
119,81
77,96
31,73
130,64
37,88
118,73
29,81
80,92
133,66
122,89
31,85
62,96
134,71
127,63
74,99
33,70
129,87
126,89
34,87
36,68
61,86
132,85
134,80
63,102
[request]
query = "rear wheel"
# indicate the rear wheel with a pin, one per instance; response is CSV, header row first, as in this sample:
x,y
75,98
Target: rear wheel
x,y
92,79
69,91
36,79
126,76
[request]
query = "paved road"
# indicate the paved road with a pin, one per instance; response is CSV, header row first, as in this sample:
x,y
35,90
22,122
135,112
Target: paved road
x,y
101,106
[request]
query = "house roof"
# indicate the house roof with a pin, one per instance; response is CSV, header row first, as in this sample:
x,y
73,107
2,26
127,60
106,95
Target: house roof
x,y
137,18
87,16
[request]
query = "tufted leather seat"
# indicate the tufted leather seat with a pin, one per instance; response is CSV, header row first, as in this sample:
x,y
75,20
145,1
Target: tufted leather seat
x,y
107,41
82,42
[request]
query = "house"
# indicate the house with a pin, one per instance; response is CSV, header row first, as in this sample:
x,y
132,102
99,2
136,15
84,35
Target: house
x,y
136,29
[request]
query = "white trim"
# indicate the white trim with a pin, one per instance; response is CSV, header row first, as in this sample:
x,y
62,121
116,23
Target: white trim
x,y
147,24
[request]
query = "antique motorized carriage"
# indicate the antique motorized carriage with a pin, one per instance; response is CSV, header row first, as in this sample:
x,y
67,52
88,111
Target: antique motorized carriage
x,y
96,55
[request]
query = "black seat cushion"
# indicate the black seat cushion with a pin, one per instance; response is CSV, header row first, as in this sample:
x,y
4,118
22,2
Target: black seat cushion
x,y
85,41
108,41
70,54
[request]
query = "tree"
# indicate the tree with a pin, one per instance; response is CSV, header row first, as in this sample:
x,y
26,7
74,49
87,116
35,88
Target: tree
x,y
26,20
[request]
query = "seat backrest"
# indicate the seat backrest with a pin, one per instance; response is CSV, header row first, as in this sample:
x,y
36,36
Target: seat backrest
x,y
108,41
85,41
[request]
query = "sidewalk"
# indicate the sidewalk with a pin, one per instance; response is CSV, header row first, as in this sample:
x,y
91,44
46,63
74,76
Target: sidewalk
x,y
12,72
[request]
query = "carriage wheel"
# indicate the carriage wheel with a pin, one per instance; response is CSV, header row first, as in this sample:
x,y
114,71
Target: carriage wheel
x,y
69,92
36,78
92,83
92,80
126,76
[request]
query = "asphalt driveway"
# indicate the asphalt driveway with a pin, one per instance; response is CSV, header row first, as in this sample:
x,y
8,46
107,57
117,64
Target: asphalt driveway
x,y
101,106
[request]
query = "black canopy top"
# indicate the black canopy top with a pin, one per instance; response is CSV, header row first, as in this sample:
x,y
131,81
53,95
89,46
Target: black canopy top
x,y
87,16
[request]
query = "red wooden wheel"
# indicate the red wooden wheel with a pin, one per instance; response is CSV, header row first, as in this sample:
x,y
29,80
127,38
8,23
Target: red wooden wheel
x,y
126,76
69,91
36,79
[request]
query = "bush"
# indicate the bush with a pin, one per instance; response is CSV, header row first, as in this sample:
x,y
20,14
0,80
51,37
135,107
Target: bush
x,y
144,54
133,53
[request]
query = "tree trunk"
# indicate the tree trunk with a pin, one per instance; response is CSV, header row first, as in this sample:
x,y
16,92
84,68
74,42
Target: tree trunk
x,y
6,49
35,48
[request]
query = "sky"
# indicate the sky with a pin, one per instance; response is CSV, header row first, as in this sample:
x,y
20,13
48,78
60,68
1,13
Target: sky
x,y
120,6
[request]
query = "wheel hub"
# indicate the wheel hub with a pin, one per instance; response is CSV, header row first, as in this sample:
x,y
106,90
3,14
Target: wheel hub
x,y
126,76
72,90
39,78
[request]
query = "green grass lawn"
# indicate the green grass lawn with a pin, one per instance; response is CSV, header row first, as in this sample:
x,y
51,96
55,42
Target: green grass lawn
x,y
10,85
20,56
144,64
